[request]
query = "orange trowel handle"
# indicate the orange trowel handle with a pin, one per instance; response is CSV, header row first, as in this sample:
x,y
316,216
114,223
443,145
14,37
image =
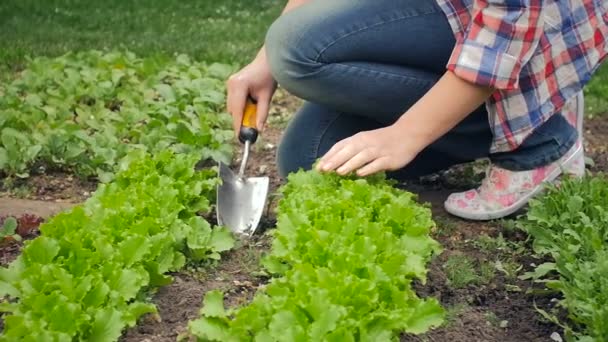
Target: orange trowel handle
x,y
248,130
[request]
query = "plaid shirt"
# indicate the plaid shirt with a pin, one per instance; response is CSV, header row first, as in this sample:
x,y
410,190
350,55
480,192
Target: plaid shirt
x,y
537,54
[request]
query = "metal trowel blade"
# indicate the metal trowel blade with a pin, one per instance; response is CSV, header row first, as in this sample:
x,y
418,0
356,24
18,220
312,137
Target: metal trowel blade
x,y
240,202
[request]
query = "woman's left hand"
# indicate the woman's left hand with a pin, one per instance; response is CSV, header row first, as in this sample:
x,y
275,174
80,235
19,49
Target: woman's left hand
x,y
384,149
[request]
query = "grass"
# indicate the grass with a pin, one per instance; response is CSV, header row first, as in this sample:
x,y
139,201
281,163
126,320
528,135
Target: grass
x,y
461,271
453,314
227,31
596,93
494,321
445,226
499,244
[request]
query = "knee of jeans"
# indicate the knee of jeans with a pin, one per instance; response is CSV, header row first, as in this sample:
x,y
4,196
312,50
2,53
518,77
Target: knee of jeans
x,y
290,156
290,52
286,163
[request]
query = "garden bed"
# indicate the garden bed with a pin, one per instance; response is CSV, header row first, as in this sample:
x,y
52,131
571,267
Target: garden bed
x,y
475,278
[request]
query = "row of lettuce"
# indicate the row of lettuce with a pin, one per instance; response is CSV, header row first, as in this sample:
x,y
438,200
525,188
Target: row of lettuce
x,y
83,112
344,255
345,251
343,269
88,275
141,126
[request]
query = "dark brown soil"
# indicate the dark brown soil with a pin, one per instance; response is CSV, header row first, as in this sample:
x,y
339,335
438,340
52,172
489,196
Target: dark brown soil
x,y
180,302
27,229
54,187
596,136
500,310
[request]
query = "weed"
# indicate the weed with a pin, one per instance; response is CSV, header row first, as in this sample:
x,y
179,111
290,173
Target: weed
x,y
509,268
495,321
22,191
492,245
249,261
445,226
487,272
453,313
460,271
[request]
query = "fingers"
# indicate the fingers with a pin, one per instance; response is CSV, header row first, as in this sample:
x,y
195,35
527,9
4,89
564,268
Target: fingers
x,y
366,153
235,101
375,166
360,159
327,161
263,108
346,159
346,156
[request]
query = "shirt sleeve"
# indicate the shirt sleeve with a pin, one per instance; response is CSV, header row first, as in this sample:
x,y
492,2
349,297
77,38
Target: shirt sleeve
x,y
501,38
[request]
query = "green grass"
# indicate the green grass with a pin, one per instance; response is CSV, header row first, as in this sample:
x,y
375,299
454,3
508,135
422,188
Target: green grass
x,y
499,244
453,314
461,272
596,93
229,31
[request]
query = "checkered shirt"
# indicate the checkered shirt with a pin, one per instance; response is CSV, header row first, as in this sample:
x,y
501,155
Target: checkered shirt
x,y
537,54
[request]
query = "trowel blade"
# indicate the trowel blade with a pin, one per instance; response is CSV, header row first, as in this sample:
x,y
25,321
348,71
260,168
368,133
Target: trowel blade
x,y
240,202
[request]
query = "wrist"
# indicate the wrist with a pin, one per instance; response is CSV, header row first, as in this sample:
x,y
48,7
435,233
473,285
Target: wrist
x,y
261,56
417,136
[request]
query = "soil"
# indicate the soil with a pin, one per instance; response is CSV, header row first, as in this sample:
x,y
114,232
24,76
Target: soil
x,y
18,207
596,135
180,302
502,309
50,187
27,229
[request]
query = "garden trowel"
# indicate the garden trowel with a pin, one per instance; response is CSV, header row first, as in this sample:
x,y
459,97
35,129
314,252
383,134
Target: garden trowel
x,y
240,200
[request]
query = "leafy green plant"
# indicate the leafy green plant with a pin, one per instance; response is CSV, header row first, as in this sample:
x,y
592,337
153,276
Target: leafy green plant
x,y
85,111
570,225
9,229
343,257
86,277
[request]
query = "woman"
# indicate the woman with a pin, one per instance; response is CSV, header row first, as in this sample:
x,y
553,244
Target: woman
x,y
415,86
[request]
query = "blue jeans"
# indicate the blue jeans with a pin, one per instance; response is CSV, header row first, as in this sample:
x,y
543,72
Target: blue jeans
x,y
359,65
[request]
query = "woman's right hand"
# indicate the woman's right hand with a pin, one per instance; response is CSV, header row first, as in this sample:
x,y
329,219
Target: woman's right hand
x,y
254,80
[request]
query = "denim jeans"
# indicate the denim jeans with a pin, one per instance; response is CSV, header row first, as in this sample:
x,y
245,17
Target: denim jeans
x,y
359,65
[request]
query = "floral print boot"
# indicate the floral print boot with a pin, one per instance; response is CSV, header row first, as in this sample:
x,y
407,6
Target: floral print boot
x,y
504,192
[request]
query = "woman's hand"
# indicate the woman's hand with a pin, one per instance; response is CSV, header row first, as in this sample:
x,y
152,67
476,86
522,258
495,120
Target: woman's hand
x,y
391,148
384,149
254,80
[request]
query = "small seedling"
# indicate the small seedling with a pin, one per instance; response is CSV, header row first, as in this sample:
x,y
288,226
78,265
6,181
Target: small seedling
x,y
9,229
445,226
22,192
493,320
492,245
460,271
510,268
453,313
487,272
